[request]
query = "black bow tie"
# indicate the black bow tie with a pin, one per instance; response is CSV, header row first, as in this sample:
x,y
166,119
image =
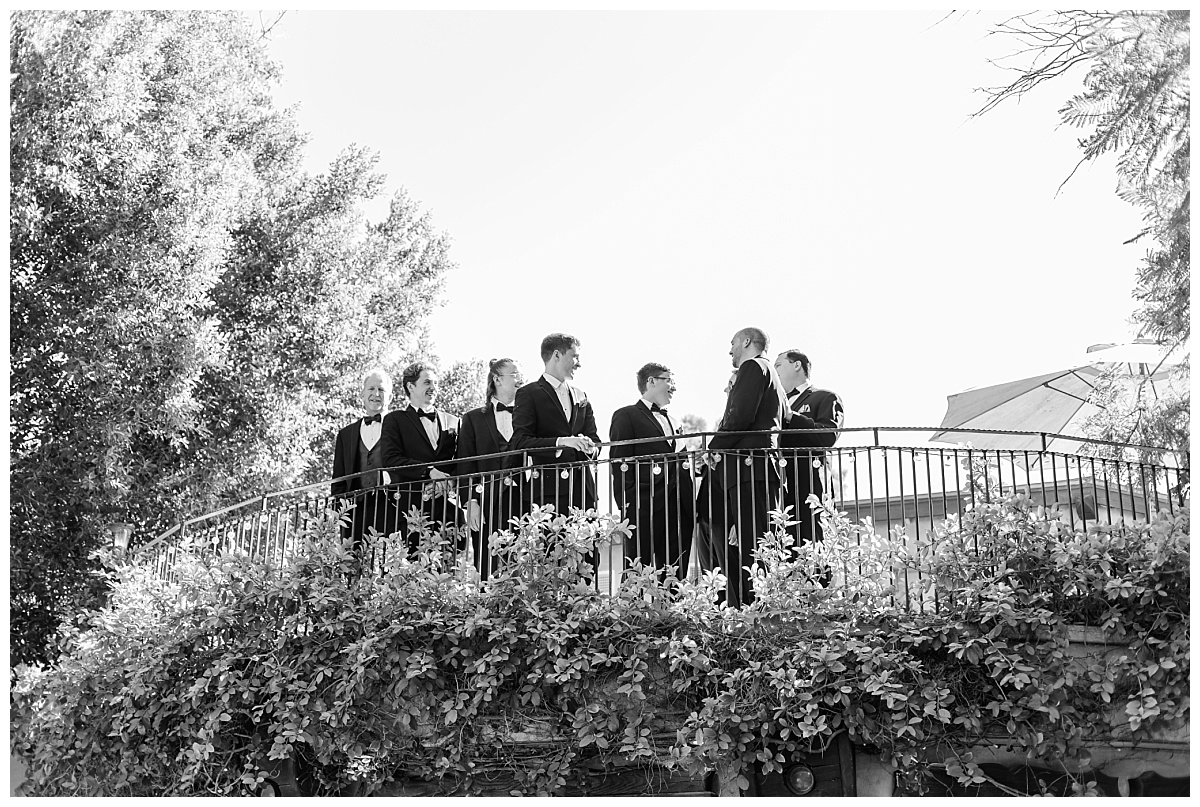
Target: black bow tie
x,y
657,408
427,415
372,419
505,407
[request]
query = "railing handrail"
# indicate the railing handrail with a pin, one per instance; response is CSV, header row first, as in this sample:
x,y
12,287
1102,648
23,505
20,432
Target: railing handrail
x,y
263,499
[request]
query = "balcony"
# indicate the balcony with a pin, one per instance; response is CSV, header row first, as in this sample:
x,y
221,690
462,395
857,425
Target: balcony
x,y
945,660
880,476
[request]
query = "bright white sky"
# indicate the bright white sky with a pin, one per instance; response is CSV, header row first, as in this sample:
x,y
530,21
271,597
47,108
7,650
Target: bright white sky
x,y
653,181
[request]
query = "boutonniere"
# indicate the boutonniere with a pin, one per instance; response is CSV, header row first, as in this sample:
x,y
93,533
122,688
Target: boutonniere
x,y
580,396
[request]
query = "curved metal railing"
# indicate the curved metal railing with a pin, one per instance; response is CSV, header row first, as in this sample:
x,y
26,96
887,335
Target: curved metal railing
x,y
909,486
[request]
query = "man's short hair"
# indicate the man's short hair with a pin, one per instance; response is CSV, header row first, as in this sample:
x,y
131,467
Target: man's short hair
x,y
649,369
796,355
383,374
557,341
412,372
756,337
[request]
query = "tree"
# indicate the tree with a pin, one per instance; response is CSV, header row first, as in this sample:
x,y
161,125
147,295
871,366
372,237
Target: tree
x,y
1136,102
190,312
462,386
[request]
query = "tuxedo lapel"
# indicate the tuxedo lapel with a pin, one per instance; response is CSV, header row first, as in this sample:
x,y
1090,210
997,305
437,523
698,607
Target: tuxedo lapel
x,y
553,395
444,432
353,447
489,417
415,420
576,413
800,399
655,426
356,444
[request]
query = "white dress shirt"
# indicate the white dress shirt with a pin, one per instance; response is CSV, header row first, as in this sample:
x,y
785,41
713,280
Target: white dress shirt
x,y
564,400
564,393
794,394
663,420
503,420
791,399
369,433
431,428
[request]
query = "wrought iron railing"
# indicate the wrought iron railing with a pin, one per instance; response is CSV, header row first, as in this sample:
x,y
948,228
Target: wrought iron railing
x,y
686,512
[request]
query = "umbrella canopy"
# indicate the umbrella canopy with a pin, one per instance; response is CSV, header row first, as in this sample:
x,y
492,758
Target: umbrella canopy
x,y
1044,403
1142,356
1052,403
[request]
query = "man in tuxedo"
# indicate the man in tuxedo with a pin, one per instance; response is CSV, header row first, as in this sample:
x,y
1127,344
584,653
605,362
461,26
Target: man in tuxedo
x,y
555,424
493,488
356,451
807,408
418,444
652,481
746,466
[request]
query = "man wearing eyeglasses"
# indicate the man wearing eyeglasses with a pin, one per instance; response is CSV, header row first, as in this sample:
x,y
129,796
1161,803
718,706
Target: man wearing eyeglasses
x,y
652,481
492,487
746,465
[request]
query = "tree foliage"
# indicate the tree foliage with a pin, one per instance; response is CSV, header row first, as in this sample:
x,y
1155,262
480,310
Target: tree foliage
x,y
190,311
1136,104
462,386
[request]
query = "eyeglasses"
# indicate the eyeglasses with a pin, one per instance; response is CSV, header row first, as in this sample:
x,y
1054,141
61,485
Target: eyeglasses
x,y
666,378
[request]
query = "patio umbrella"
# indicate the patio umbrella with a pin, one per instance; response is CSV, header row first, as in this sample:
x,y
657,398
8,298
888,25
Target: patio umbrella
x,y
1052,403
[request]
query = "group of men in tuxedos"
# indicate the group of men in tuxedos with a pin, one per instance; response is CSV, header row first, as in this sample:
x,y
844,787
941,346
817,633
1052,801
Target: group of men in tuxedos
x,y
473,470
447,467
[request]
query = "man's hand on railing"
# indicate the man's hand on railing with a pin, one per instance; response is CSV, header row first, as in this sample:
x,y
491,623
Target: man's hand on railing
x,y
440,485
580,443
710,459
474,515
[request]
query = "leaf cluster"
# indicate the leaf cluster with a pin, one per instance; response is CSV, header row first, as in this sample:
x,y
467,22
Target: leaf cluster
x,y
524,682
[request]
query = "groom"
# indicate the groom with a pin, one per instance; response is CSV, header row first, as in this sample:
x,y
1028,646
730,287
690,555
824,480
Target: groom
x,y
555,424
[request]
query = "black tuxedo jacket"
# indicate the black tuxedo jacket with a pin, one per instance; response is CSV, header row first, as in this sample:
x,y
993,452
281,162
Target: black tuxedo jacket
x,y
813,409
404,442
636,422
479,436
345,458
755,403
539,421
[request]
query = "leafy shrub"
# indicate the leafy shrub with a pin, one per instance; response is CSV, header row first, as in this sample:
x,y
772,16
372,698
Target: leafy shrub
x,y
423,673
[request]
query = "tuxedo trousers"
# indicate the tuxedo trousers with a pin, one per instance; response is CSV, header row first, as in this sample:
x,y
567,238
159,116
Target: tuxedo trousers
x,y
747,510
499,503
802,477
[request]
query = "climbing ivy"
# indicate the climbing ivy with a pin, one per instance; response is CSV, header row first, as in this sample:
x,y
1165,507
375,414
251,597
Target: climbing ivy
x,y
423,674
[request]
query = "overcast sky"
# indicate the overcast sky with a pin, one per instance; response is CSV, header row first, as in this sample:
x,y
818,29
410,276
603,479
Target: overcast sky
x,y
653,181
